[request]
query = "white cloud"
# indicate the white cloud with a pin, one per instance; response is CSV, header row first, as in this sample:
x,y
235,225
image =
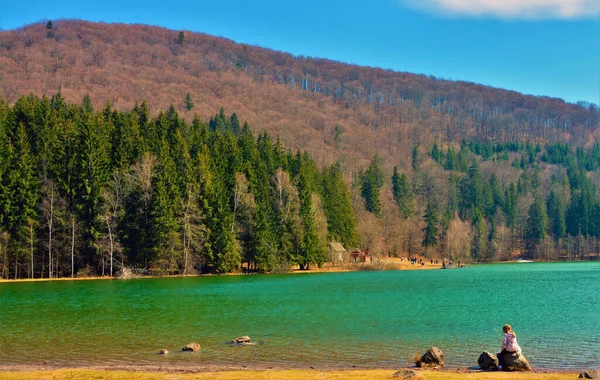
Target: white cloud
x,y
522,9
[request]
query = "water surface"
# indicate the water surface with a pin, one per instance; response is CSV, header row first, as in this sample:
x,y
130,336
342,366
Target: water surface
x,y
362,319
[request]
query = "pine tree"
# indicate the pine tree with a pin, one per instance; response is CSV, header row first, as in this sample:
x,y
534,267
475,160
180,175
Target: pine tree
x,y
311,253
436,153
535,229
163,214
92,171
180,38
189,103
49,30
371,182
472,192
580,215
5,157
557,226
235,124
402,194
86,105
431,219
451,160
415,157
337,205
23,189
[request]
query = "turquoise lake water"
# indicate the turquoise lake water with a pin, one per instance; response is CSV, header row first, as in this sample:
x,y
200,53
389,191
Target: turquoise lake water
x,y
362,319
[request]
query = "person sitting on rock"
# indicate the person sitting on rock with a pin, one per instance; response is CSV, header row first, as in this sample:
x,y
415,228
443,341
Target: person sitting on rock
x,y
509,344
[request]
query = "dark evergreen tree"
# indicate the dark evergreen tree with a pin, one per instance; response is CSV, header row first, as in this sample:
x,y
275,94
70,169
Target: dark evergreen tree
x,y
189,102
431,219
312,252
535,229
371,182
92,165
337,205
23,190
580,214
235,124
415,157
451,160
557,226
49,30
402,194
86,105
180,38
436,153
496,194
472,192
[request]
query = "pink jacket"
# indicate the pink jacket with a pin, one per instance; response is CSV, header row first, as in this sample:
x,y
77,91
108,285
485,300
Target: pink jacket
x,y
510,343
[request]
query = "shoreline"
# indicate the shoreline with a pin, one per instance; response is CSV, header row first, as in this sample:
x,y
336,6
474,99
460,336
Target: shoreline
x,y
24,372
383,264
222,367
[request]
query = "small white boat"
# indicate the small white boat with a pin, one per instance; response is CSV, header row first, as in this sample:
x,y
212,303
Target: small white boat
x,y
524,261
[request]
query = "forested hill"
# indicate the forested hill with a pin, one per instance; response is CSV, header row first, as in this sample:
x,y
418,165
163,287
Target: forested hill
x,y
93,192
132,151
334,110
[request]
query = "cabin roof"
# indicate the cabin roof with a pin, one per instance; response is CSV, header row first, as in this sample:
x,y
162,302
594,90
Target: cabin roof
x,y
337,247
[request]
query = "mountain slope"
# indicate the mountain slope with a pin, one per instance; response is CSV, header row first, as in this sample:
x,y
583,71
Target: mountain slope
x,y
334,110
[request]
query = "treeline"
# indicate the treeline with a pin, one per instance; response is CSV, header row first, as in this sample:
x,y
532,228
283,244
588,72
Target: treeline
x,y
95,192
550,211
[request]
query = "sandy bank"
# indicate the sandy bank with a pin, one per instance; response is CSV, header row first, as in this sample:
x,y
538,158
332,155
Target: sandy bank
x,y
388,263
171,373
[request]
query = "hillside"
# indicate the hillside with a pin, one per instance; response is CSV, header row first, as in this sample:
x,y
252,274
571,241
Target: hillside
x,y
334,110
133,146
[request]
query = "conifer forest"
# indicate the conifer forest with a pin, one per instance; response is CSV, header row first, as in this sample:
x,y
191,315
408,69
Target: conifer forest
x,y
91,192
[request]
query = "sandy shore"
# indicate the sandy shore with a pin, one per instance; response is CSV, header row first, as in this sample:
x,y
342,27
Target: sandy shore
x,y
388,263
26,372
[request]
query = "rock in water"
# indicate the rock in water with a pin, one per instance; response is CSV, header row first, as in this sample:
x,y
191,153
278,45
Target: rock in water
x,y
488,361
164,351
593,374
407,374
241,340
434,357
193,347
516,362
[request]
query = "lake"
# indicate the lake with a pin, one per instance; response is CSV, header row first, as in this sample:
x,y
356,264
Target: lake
x,y
362,319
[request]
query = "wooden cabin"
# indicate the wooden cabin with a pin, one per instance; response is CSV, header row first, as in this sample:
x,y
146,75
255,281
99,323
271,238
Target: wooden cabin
x,y
336,253
358,256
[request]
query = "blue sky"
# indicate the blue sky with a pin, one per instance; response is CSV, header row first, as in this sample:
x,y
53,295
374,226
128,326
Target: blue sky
x,y
539,47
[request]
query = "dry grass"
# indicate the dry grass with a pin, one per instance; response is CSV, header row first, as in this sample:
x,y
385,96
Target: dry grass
x,y
388,263
80,374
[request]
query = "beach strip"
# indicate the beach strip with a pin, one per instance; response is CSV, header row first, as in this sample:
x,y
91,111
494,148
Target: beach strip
x,y
290,374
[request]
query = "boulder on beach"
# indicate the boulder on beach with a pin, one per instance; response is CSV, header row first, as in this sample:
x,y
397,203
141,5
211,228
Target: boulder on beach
x,y
515,362
241,340
408,374
593,374
164,351
434,357
488,361
192,347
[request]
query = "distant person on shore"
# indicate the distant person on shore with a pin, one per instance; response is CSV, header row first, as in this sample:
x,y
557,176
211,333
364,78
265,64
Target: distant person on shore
x,y
509,344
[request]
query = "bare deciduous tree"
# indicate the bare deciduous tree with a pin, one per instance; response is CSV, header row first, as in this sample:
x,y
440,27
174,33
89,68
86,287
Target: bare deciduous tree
x,y
113,196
